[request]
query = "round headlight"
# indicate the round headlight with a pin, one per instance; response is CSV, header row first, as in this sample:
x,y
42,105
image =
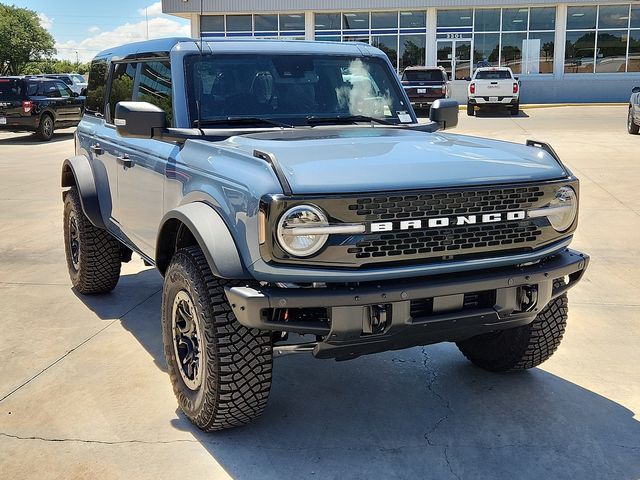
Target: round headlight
x,y
564,209
291,230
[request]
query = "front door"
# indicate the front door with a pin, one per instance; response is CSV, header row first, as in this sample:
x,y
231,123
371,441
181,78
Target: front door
x,y
455,57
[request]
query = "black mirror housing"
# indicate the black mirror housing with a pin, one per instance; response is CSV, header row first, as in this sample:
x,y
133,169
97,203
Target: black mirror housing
x,y
635,90
445,113
138,119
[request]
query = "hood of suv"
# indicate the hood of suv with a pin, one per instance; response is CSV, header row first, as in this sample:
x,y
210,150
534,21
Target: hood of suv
x,y
361,159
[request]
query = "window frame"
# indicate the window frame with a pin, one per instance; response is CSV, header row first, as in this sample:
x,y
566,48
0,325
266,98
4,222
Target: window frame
x,y
113,65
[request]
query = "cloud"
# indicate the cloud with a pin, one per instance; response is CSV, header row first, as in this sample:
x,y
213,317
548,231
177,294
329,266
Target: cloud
x,y
153,10
94,29
159,27
45,22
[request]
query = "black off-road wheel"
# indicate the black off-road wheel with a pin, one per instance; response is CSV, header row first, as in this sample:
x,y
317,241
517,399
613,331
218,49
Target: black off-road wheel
x,y
632,127
94,256
45,128
470,110
520,348
219,369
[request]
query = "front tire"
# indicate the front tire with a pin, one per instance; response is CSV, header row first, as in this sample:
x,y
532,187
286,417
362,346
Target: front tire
x,y
632,128
219,369
520,348
94,256
45,128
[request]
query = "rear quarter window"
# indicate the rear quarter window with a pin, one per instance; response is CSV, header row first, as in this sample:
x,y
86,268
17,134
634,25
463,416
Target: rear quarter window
x,y
96,88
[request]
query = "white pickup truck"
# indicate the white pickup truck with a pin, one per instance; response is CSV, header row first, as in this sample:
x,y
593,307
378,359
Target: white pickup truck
x,y
493,86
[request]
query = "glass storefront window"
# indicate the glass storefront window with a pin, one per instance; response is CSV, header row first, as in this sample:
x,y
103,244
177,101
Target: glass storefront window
x,y
515,19
355,21
384,20
611,51
327,21
635,16
538,54
455,18
542,18
389,45
413,19
579,52
581,18
291,21
486,50
412,50
212,23
633,63
355,38
613,16
512,50
266,23
239,23
487,20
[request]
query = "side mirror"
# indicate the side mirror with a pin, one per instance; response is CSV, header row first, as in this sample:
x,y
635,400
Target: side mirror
x,y
83,92
635,90
138,119
75,94
445,113
468,79
515,78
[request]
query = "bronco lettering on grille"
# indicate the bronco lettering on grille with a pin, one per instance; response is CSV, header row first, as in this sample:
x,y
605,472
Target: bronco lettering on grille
x,y
440,222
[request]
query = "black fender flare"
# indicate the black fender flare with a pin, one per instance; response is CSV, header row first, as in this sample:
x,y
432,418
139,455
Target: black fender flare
x,y
212,234
76,171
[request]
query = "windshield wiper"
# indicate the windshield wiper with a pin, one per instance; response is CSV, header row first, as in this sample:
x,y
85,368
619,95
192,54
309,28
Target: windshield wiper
x,y
240,121
312,119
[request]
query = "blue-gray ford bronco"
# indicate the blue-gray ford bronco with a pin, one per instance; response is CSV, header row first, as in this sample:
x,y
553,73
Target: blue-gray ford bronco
x,y
293,203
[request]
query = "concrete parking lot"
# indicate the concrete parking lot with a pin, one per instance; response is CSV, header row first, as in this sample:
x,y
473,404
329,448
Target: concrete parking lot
x,y
84,393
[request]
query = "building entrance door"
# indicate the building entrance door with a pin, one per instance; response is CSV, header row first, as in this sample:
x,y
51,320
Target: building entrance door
x,y
455,57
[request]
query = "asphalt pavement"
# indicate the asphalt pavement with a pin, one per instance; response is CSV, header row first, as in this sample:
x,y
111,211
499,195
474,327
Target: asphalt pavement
x,y
84,391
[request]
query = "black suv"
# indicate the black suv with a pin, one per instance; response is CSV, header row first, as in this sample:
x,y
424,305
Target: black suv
x,y
425,85
39,105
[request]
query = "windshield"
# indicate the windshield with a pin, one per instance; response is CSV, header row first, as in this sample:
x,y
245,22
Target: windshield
x,y
423,76
294,89
493,75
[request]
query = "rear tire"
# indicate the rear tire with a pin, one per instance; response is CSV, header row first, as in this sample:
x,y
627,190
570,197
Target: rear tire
x,y
520,348
632,128
219,369
515,109
470,110
45,128
94,256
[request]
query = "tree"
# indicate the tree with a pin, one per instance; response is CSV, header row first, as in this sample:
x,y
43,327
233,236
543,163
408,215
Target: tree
x,y
23,39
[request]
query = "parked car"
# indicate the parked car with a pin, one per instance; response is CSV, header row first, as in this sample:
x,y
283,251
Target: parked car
x,y
39,105
493,86
633,118
74,81
425,85
276,197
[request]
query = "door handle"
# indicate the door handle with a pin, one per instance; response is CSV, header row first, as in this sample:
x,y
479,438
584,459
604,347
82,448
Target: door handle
x,y
97,149
125,161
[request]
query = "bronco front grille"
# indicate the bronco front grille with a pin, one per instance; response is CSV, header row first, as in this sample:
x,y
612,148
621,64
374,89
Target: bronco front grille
x,y
425,244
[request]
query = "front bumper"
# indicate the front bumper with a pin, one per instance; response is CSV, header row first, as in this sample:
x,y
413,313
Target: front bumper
x,y
375,317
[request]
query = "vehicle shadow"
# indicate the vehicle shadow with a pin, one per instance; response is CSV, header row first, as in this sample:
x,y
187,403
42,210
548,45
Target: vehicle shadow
x,y
32,139
497,112
417,413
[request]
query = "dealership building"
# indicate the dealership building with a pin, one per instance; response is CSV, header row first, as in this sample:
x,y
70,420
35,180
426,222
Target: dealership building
x,y
562,52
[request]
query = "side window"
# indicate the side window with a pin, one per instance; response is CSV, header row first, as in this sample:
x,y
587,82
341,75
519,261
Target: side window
x,y
51,90
64,90
122,82
96,88
155,86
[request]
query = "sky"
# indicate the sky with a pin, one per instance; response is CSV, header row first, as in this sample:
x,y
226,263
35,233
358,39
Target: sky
x,y
89,26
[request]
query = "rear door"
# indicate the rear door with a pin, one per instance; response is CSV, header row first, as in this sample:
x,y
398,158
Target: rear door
x,y
70,103
13,91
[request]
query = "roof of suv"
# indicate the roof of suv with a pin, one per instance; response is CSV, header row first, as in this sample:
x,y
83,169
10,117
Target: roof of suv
x,y
423,68
241,45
